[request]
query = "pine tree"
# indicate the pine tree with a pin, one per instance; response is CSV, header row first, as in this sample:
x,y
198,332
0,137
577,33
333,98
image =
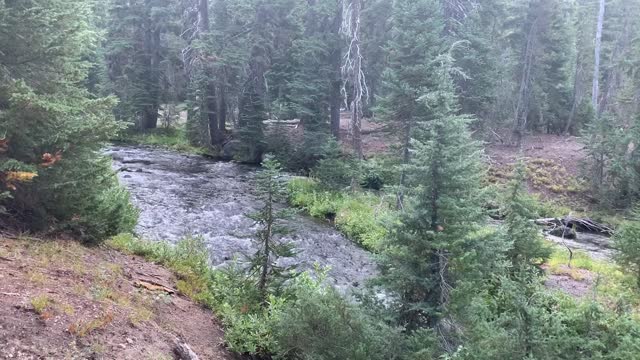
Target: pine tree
x,y
527,246
135,47
415,41
51,125
264,263
421,260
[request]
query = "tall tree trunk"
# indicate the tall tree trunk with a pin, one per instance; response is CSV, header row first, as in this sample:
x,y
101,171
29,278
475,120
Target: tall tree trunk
x,y
577,96
353,71
406,142
152,69
211,102
524,93
222,116
596,68
335,98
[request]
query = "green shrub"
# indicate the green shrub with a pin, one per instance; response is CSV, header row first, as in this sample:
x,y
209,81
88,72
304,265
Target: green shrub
x,y
360,219
359,216
321,325
173,138
627,244
52,127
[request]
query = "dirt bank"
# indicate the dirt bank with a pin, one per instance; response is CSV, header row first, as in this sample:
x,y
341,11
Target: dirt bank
x,y
61,300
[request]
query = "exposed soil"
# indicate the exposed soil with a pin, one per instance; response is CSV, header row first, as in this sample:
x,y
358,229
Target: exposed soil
x,y
575,282
553,162
61,300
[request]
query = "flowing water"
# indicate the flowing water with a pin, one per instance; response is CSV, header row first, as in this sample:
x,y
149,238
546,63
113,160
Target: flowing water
x,y
180,195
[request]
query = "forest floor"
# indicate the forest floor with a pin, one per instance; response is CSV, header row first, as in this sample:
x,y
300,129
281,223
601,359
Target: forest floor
x,y
62,300
553,162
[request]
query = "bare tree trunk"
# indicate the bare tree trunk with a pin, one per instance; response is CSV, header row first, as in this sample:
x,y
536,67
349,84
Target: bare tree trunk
x,y
577,96
336,83
524,93
352,69
406,142
596,68
152,78
211,102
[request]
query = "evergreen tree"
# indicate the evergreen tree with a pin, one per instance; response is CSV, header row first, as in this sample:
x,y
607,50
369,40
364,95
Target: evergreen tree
x,y
627,244
527,245
135,47
264,264
52,126
415,41
425,251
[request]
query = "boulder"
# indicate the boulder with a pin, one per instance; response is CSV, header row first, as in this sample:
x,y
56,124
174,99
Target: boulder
x,y
231,150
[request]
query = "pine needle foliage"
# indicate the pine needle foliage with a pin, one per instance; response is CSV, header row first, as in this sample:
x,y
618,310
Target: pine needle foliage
x,y
527,247
53,126
426,248
270,220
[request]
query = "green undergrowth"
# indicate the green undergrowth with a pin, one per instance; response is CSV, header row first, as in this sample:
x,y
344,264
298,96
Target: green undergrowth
x,y
358,215
174,138
610,285
306,320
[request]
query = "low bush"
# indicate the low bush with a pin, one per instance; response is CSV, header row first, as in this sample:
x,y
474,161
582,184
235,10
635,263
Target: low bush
x,y
289,326
321,325
358,215
173,138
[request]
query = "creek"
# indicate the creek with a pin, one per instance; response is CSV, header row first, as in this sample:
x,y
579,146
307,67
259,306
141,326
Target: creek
x,y
188,195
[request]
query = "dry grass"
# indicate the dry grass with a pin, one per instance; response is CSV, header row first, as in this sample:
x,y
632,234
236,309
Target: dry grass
x,y
71,292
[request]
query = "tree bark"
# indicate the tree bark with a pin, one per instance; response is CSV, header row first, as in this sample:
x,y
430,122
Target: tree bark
x,y
524,93
353,70
596,68
212,102
406,141
336,85
577,96
152,69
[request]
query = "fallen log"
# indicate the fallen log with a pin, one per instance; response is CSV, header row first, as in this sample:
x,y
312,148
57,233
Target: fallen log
x,y
579,224
153,286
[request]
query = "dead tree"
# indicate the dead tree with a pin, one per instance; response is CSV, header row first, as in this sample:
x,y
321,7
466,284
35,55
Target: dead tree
x,y
596,68
526,88
352,71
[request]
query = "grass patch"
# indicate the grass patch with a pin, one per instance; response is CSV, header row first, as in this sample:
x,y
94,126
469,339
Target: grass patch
x,y
612,286
168,138
359,215
82,329
41,303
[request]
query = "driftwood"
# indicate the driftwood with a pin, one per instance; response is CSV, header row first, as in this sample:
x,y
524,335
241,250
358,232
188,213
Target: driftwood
x,y
152,286
184,352
579,224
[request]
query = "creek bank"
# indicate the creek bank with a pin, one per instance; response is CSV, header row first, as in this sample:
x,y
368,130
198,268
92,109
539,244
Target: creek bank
x,y
181,195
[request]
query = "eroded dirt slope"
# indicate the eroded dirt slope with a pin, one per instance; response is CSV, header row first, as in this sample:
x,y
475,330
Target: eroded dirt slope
x,y
60,300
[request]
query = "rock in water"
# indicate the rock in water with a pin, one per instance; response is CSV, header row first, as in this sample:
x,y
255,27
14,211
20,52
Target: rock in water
x,y
564,232
231,150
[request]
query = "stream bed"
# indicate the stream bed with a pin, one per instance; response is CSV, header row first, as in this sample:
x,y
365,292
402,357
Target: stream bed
x,y
180,195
